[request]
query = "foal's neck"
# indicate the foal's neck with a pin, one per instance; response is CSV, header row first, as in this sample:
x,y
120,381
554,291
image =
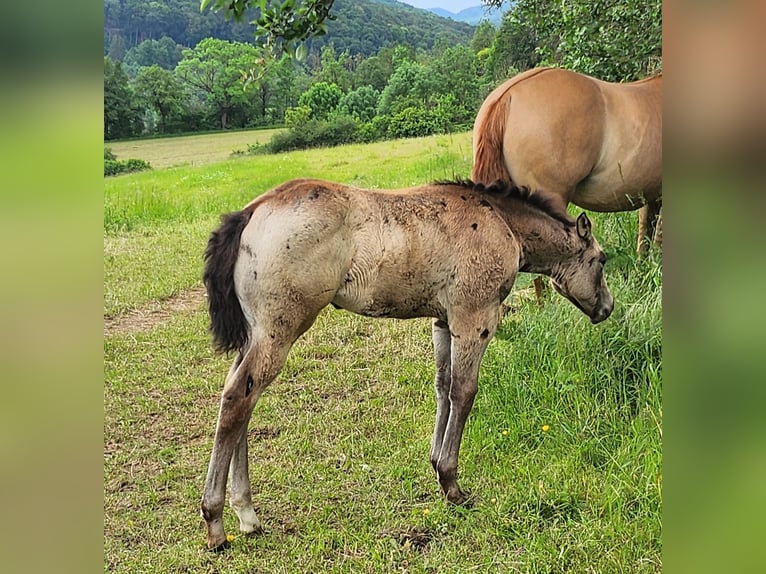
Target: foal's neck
x,y
545,241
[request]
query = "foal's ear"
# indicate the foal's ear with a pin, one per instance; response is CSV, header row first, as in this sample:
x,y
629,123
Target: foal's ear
x,y
583,226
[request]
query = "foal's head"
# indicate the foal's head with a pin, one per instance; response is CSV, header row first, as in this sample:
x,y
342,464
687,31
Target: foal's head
x,y
580,278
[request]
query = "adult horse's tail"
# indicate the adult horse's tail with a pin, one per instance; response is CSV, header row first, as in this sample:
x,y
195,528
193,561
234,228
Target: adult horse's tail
x,y
227,321
489,130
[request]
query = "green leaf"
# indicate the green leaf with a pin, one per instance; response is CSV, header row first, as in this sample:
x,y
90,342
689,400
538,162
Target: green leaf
x,y
301,52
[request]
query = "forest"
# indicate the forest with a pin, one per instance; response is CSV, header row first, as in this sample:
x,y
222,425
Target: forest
x,y
383,70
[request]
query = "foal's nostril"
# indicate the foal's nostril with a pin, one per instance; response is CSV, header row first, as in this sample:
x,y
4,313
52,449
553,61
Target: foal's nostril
x,y
600,314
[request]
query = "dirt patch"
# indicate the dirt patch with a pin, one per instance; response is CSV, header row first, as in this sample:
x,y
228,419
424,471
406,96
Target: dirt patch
x,y
154,313
416,537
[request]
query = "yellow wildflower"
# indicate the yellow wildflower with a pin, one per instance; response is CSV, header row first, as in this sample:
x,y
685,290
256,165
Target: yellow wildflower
x,y
230,537
546,428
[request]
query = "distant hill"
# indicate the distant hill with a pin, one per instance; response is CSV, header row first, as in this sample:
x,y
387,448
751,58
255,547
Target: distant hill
x,y
361,26
472,15
365,26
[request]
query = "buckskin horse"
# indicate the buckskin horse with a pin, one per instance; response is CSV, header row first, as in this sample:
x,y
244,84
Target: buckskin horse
x,y
450,251
584,141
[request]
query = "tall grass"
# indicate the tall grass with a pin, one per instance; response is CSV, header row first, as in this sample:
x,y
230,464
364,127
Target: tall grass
x,y
562,451
185,194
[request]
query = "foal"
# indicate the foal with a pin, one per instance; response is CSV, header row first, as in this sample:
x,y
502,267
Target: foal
x,y
449,251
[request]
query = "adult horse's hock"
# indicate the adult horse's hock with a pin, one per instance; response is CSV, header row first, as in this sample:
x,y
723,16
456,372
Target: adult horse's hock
x,y
449,251
584,141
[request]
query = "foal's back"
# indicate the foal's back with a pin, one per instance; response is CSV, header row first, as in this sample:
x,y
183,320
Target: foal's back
x,y
385,253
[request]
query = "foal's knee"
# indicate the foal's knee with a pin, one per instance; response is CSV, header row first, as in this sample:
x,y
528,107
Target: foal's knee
x,y
462,396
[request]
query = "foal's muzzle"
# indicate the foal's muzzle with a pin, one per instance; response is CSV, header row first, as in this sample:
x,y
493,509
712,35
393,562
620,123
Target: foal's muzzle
x,y
603,308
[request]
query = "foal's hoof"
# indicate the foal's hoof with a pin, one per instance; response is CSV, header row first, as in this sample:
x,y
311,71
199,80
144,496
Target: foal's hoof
x,y
461,498
220,547
255,531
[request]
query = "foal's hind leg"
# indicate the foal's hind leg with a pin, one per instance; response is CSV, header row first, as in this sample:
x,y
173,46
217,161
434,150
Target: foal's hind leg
x,y
241,499
442,341
244,385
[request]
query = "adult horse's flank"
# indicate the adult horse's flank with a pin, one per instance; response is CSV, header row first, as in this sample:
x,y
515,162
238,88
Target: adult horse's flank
x,y
449,251
584,141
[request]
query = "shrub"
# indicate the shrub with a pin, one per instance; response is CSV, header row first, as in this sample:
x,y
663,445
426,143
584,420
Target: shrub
x,y
315,133
296,117
116,167
295,138
109,154
338,131
415,122
374,130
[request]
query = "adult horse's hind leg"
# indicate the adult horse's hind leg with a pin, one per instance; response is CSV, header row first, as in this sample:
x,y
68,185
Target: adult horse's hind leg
x,y
648,221
658,229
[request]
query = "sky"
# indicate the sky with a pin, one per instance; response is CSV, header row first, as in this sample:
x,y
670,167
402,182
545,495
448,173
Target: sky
x,y
453,6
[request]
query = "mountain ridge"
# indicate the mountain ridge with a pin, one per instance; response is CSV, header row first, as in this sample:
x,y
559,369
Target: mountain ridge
x,y
472,15
361,26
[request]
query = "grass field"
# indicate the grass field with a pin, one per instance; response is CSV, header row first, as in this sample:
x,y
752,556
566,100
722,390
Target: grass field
x,y
339,443
190,149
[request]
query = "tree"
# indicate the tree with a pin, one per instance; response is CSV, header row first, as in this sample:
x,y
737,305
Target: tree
x,y
334,69
322,98
361,104
514,48
117,47
159,90
483,36
610,39
455,73
218,69
278,89
281,25
373,71
163,52
122,116
404,89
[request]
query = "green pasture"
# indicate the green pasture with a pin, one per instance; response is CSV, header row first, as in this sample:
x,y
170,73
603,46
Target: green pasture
x,y
562,452
190,150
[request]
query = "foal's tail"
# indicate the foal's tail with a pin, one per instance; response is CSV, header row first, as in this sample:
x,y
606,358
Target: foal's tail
x,y
227,321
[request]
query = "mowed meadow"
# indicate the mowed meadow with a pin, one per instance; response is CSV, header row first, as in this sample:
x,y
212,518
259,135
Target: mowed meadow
x,y
561,453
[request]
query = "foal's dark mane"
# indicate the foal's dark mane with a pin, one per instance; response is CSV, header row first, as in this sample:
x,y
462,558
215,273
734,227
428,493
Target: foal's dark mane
x,y
504,189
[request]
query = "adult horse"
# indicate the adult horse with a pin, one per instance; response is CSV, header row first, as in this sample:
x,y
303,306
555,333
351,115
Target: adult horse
x,y
584,141
447,251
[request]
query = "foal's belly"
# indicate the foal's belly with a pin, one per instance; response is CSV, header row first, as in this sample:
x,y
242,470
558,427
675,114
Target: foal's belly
x,y
399,302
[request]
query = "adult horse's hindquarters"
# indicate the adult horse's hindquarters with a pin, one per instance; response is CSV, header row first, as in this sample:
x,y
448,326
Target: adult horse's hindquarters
x,y
578,139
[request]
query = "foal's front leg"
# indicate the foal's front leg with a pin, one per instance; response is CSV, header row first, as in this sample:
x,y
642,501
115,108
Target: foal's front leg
x,y
469,340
